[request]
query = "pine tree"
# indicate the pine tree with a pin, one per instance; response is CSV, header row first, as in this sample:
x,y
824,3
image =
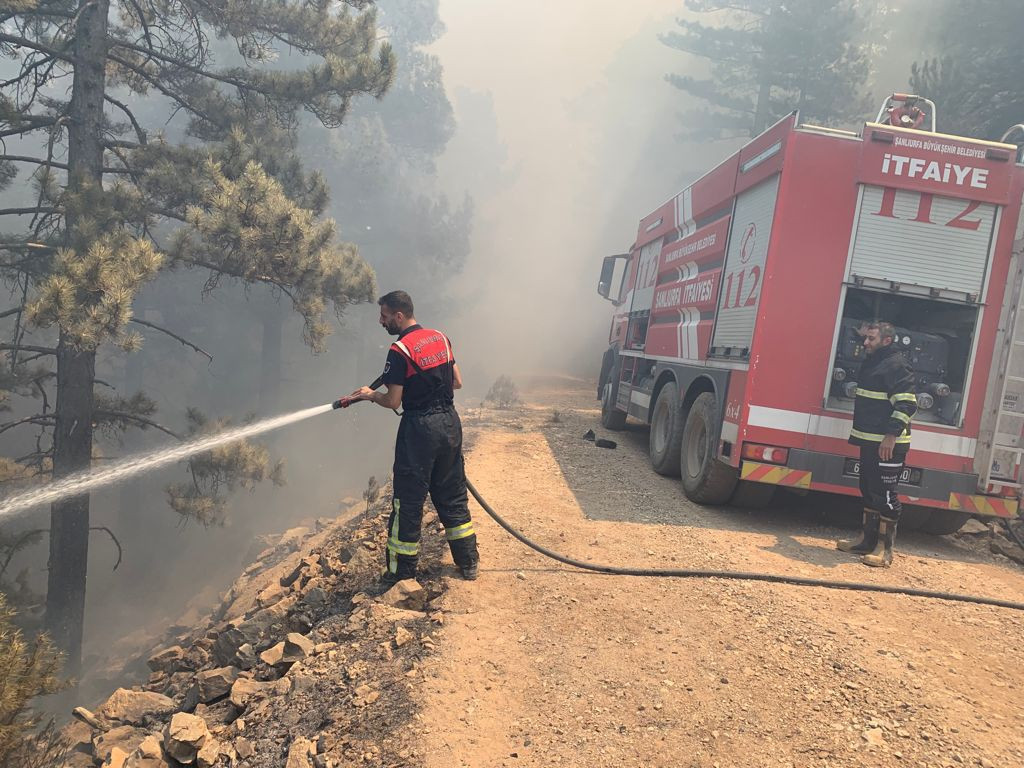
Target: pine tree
x,y
114,204
27,669
768,58
975,81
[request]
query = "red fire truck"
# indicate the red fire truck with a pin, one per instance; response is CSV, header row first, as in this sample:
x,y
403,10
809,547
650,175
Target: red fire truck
x,y
737,315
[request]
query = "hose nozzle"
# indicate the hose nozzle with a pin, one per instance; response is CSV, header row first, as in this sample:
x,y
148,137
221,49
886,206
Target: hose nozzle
x,y
345,402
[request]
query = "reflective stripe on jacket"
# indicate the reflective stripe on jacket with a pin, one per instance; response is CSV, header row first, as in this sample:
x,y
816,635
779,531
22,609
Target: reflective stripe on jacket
x,y
886,400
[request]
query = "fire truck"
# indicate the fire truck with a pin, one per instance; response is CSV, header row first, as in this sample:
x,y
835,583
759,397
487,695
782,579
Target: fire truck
x,y
739,310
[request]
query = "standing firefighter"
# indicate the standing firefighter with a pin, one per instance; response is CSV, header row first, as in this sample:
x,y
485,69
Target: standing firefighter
x,y
421,374
881,427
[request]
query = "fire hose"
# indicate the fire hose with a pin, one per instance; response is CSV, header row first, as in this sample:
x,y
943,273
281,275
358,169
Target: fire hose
x,y
693,573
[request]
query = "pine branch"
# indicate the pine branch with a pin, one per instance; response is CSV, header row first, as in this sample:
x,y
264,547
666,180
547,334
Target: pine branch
x,y
36,160
119,144
124,108
175,336
35,122
158,85
37,419
236,82
141,420
26,211
35,46
113,538
28,348
240,276
9,312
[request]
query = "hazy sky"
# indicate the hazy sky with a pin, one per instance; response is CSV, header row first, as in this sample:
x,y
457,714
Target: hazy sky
x,y
546,68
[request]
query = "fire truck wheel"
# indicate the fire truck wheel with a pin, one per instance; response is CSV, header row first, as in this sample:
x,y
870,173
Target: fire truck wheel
x,y
750,495
706,480
611,417
667,423
944,521
913,517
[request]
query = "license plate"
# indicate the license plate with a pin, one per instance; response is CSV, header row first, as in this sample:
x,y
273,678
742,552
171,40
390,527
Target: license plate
x,y
908,476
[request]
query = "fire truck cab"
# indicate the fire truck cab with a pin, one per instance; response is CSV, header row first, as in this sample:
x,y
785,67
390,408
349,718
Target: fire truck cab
x,y
739,310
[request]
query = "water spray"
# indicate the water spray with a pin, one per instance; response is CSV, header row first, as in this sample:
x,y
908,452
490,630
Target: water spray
x,y
84,482
88,480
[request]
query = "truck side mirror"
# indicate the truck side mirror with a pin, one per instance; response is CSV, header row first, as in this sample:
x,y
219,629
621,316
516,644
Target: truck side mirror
x,y
610,268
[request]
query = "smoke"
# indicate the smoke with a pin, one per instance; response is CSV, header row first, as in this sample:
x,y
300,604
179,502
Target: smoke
x,y
560,80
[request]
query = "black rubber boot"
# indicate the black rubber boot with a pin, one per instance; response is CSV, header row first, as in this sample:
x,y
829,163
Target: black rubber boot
x,y
868,537
881,555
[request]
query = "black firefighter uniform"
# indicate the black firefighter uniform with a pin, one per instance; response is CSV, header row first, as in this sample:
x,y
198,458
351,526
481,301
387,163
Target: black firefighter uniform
x,y
885,404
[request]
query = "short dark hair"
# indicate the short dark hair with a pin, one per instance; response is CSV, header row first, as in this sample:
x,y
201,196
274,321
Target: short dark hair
x,y
885,329
397,301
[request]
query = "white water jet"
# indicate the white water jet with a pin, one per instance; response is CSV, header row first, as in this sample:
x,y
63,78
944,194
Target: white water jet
x,y
84,482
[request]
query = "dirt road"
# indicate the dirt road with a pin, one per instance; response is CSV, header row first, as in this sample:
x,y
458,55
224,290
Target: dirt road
x,y
542,665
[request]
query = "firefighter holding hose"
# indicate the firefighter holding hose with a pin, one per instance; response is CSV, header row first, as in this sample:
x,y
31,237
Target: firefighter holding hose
x,y
882,410
421,375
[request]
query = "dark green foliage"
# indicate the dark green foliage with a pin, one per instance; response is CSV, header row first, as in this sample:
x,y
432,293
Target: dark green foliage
x,y
975,78
28,668
769,58
152,137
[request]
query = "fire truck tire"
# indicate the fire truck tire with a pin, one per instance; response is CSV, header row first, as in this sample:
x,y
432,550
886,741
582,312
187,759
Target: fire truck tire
x,y
913,517
666,439
944,521
611,417
706,480
750,495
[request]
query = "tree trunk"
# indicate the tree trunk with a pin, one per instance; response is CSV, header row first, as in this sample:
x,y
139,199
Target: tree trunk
x,y
76,367
69,518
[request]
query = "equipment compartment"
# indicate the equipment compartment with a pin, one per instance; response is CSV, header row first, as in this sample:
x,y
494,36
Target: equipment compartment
x,y
936,336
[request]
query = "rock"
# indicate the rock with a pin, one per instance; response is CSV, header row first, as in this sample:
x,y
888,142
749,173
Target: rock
x,y
973,526
184,736
128,706
190,700
365,695
78,760
87,717
874,737
246,656
208,753
406,594
167,660
385,613
124,737
402,636
215,683
292,538
292,576
273,655
79,737
117,759
244,690
270,595
297,647
1003,546
315,597
298,754
243,747
301,682
215,715
149,754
